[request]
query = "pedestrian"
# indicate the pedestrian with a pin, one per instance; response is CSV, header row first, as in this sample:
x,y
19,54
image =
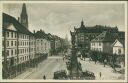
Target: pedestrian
x,y
63,58
44,77
100,74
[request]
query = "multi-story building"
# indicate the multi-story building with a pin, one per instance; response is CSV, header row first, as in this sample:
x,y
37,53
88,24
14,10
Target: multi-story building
x,y
21,48
103,42
32,47
85,34
42,43
16,39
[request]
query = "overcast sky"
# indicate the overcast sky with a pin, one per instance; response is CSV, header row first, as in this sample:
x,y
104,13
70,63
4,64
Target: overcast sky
x,y
60,18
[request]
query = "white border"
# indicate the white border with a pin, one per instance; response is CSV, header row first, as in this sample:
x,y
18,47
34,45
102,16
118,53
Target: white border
x,y
1,41
75,2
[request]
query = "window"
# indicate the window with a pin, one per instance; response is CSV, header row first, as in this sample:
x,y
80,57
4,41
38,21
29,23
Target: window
x,y
11,43
15,60
11,52
25,51
21,58
12,34
7,43
7,52
23,43
15,35
7,34
20,51
15,43
15,51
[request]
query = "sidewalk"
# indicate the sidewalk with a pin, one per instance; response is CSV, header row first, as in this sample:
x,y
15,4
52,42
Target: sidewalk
x,y
25,74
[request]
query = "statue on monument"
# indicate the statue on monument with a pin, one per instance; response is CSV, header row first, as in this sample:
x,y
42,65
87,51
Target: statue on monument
x,y
73,39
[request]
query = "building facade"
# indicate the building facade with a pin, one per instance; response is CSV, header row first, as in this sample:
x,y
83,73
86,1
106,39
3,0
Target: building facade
x,y
42,43
23,49
118,47
16,43
103,42
85,34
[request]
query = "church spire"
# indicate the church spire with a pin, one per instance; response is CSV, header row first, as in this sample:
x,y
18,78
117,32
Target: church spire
x,y
82,23
24,16
24,12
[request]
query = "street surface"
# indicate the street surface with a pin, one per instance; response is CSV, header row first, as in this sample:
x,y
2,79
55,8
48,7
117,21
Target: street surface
x,y
47,68
106,72
55,63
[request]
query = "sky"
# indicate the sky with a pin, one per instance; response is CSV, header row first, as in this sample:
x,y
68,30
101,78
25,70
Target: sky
x,y
60,18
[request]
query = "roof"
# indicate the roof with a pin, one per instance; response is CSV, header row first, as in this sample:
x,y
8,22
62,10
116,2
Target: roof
x,y
105,36
122,41
121,34
24,11
42,34
96,29
8,20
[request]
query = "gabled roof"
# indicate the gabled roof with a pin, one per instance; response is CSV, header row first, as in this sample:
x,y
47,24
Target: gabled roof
x,y
105,36
122,41
7,20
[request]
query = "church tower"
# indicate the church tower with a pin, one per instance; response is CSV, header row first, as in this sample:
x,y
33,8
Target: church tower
x,y
82,24
24,16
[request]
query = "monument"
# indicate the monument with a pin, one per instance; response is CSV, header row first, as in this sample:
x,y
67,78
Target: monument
x,y
74,69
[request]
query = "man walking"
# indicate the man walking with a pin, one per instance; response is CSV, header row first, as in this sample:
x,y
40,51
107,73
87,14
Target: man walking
x,y
100,74
44,77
